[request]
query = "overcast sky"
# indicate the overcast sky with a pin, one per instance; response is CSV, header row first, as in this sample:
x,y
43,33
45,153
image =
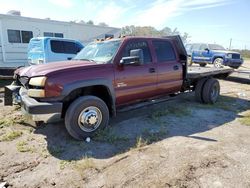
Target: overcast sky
x,y
205,20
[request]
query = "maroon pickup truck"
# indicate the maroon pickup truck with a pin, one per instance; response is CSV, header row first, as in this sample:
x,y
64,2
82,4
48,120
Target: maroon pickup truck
x,y
107,75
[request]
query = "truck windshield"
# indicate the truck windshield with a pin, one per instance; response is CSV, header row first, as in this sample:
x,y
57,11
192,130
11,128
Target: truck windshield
x,y
100,52
216,47
35,45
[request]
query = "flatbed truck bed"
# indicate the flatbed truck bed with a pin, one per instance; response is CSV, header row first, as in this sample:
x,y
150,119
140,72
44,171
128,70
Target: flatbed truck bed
x,y
194,73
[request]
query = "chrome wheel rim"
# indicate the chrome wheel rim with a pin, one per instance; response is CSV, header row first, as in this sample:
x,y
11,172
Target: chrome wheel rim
x,y
217,63
90,119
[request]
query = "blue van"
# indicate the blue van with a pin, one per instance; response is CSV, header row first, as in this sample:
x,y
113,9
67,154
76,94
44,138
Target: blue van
x,y
51,49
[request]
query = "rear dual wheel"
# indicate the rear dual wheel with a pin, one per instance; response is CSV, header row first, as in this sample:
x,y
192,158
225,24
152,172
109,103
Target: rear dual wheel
x,y
207,90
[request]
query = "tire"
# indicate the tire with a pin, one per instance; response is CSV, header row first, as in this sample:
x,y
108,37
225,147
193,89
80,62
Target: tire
x,y
218,62
80,114
211,91
198,90
203,64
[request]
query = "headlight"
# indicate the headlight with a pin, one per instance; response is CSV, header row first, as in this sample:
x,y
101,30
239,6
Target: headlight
x,y
229,56
38,81
36,93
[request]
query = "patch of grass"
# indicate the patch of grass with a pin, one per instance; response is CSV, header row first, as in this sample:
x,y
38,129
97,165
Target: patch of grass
x,y
7,122
17,107
85,163
180,111
81,165
140,142
245,119
63,164
176,111
107,135
22,146
148,137
12,135
154,136
44,153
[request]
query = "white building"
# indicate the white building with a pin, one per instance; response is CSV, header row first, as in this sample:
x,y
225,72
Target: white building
x,y
16,31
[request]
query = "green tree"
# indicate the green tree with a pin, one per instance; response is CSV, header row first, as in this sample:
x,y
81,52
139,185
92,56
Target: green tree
x,y
151,31
90,22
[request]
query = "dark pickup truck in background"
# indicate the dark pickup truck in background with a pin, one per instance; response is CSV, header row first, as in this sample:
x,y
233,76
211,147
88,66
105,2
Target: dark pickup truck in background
x,y
107,75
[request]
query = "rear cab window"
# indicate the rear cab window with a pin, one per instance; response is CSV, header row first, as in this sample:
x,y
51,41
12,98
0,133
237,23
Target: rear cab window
x,y
64,47
164,51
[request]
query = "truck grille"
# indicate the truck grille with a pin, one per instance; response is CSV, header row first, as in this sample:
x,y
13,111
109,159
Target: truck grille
x,y
235,56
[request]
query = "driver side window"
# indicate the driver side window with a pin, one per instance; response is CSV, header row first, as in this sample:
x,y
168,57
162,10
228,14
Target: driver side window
x,y
138,45
203,47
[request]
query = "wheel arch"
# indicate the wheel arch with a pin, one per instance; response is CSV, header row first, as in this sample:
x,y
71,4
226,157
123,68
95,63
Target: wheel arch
x,y
100,88
218,56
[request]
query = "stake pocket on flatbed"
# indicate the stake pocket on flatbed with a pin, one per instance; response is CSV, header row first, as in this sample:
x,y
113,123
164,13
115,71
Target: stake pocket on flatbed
x,y
107,75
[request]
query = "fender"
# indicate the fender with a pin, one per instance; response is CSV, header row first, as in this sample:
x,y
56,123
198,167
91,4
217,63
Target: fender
x,y
217,56
68,88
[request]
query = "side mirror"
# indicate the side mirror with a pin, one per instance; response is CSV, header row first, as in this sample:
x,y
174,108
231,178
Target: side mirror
x,y
130,61
135,58
206,49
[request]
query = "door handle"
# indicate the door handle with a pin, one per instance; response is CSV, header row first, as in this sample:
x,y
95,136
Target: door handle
x,y
69,58
151,70
176,67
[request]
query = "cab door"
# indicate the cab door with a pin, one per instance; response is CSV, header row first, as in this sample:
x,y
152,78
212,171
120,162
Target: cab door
x,y
170,69
135,82
206,54
201,53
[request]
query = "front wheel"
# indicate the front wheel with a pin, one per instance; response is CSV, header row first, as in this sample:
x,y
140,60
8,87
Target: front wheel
x,y
85,116
218,63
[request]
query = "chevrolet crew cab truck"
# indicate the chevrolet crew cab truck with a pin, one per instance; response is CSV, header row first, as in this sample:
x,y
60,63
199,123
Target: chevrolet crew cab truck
x,y
203,54
108,75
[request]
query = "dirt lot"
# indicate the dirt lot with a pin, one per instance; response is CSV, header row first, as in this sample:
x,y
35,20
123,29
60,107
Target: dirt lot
x,y
178,143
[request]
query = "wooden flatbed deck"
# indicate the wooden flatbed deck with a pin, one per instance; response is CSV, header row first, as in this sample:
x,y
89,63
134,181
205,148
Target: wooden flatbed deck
x,y
199,72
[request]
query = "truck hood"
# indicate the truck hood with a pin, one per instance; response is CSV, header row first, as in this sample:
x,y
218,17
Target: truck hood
x,y
46,69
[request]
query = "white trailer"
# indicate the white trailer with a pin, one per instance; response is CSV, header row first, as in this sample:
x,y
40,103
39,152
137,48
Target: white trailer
x,y
16,31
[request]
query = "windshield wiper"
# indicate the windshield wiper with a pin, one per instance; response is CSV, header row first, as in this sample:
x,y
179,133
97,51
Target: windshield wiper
x,y
91,60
